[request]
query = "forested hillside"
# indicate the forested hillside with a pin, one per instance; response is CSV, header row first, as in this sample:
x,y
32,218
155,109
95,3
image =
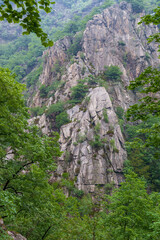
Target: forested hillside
x,y
80,153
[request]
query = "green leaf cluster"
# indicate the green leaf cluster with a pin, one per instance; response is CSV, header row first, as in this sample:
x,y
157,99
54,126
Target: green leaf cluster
x,y
26,13
112,73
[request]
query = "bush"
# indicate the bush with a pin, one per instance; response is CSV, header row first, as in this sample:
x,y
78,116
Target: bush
x,y
81,138
97,128
68,157
112,73
79,92
37,111
43,91
77,193
121,43
97,143
56,108
92,80
76,46
62,119
105,116
120,112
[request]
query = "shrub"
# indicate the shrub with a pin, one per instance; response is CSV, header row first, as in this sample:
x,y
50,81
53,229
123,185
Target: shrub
x,y
108,187
75,143
56,108
77,171
92,80
82,56
43,91
111,131
112,73
81,138
79,92
112,143
65,175
121,43
120,112
96,143
56,67
86,101
62,119
76,46
97,127
103,83
68,156
37,111
83,70
105,116
77,193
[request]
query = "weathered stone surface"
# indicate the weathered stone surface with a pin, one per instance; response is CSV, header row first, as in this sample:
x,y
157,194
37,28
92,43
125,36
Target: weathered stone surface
x,y
115,38
90,164
16,236
42,122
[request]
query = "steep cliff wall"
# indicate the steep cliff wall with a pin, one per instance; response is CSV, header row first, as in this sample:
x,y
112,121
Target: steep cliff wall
x,y
111,38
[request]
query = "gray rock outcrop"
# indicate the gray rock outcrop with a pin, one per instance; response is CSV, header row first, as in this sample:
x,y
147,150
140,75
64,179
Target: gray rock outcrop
x,y
93,147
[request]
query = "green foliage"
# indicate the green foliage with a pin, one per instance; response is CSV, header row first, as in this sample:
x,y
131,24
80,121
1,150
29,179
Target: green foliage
x,y
62,119
76,46
81,138
77,193
143,155
21,56
121,43
55,108
97,128
105,116
146,138
68,157
37,111
87,100
112,73
26,13
92,80
132,212
137,5
120,112
32,77
79,92
97,142
149,80
43,91
26,158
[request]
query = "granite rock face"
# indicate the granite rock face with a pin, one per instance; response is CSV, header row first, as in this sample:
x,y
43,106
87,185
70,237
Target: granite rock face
x,y
93,147
115,38
93,164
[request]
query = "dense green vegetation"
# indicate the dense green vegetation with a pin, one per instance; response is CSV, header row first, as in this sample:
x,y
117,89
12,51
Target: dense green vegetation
x,y
79,92
112,73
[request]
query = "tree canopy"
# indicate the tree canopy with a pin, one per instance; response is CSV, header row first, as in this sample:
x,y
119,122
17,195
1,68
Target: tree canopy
x,y
26,14
145,146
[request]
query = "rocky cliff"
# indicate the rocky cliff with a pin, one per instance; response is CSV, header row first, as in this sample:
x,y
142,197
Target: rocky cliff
x,y
111,38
